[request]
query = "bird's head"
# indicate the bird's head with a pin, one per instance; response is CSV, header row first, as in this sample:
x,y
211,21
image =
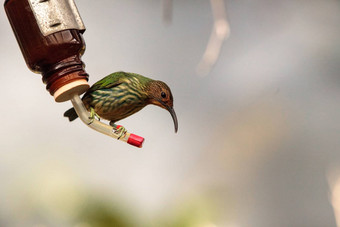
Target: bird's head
x,y
160,95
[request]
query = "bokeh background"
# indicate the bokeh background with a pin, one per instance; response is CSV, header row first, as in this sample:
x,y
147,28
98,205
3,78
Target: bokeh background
x,y
259,136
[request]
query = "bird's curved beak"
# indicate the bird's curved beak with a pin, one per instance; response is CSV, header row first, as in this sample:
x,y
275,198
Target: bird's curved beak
x,y
172,112
174,117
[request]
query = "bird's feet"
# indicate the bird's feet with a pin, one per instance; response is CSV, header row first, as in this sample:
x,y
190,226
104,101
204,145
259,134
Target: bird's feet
x,y
93,115
118,129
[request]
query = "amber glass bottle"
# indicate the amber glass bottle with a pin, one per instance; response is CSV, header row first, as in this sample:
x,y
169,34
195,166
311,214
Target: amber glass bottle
x,y
52,43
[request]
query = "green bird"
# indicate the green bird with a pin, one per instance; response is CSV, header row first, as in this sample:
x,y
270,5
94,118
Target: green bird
x,y
122,94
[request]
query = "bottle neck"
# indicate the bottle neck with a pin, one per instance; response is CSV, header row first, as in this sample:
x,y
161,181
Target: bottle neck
x,y
65,71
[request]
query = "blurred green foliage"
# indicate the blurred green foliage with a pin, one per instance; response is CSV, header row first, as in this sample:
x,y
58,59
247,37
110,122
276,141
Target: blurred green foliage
x,y
105,213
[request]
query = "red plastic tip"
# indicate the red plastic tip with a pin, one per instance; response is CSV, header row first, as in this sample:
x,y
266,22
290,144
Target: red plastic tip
x,y
134,140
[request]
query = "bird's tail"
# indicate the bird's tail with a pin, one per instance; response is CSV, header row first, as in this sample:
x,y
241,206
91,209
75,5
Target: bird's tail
x,y
71,114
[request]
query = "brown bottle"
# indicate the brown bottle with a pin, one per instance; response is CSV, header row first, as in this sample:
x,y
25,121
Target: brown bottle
x,y
49,33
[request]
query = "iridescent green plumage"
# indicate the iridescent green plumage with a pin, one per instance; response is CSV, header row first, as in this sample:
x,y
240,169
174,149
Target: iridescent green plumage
x,y
122,94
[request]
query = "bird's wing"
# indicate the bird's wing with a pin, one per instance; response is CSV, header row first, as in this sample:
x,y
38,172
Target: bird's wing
x,y
109,81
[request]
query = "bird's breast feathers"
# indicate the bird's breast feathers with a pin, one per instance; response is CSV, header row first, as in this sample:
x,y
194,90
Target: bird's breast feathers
x,y
118,102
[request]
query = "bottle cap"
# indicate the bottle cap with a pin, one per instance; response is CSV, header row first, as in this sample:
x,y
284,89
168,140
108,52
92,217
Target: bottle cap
x,y
65,92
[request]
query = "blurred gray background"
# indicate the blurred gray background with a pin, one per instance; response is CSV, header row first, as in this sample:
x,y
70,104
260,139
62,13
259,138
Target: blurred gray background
x,y
258,142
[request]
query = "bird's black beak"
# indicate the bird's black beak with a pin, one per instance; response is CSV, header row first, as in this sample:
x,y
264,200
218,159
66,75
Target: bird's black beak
x,y
172,112
174,117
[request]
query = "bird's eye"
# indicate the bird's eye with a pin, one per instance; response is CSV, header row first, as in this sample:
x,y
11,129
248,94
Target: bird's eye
x,y
163,95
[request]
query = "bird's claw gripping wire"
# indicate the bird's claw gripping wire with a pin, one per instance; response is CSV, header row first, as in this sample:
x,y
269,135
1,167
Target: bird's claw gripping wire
x,y
93,115
118,129
121,132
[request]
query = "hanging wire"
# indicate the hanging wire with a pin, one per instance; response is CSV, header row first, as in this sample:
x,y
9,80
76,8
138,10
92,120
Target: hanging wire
x,y
167,11
220,32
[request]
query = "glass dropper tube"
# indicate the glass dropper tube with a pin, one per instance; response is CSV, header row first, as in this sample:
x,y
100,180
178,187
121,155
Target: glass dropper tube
x,y
84,115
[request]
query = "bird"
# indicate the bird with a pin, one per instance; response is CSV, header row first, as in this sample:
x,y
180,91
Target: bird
x,y
122,94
